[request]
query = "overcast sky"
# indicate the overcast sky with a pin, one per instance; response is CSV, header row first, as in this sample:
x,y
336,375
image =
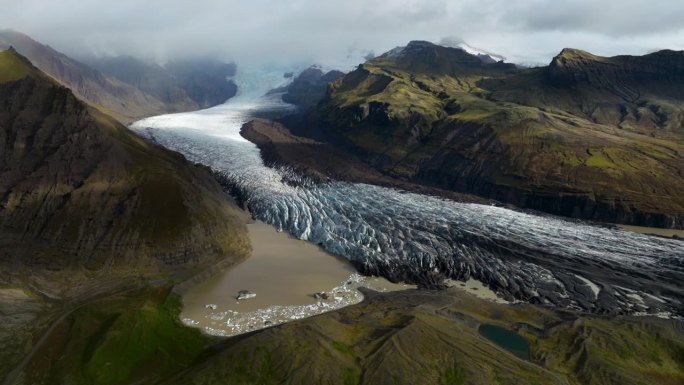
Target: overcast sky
x,y
342,31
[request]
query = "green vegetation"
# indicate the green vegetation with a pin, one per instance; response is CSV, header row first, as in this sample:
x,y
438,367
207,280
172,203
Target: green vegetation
x,y
537,139
14,67
91,209
585,130
599,160
454,376
342,347
619,350
118,340
415,336
432,338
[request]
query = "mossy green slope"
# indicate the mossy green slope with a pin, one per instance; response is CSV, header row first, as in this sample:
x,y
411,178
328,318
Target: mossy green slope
x,y
13,67
120,339
431,338
588,137
409,337
614,350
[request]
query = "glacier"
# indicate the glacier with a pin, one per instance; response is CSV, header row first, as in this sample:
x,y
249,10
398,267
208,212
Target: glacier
x,y
422,239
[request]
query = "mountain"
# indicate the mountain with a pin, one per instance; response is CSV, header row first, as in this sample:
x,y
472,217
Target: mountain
x,y
128,88
483,55
88,210
586,136
181,85
309,87
97,225
121,100
82,197
150,78
205,80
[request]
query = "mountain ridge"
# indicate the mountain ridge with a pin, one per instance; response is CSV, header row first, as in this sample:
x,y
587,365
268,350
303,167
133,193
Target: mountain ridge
x,y
585,137
83,197
123,101
126,89
181,85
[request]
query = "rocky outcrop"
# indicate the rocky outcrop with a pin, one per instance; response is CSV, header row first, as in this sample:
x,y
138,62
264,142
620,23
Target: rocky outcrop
x,y
82,198
426,57
323,162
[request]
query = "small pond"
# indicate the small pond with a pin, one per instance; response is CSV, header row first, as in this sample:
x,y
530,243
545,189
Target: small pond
x,y
506,339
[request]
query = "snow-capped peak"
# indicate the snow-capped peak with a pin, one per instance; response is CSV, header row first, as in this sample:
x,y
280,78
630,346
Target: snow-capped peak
x,y
485,56
482,54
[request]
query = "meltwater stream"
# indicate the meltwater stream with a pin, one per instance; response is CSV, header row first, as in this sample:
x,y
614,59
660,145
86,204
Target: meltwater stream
x,y
416,238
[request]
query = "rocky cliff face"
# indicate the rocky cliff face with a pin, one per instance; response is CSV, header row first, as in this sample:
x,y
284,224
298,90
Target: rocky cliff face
x,y
586,137
82,198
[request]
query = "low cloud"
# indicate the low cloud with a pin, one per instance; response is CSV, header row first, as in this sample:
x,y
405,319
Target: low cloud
x,y
341,33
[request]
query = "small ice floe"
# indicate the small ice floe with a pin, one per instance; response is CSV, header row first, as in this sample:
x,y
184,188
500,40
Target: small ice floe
x,y
245,294
190,322
211,306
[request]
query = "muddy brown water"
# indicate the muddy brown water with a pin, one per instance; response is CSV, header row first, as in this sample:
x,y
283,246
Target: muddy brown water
x,y
284,273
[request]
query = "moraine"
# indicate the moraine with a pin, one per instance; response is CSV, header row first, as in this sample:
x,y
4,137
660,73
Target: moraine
x,y
414,238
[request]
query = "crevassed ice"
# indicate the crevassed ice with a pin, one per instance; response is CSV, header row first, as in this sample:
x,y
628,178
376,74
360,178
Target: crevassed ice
x,y
405,236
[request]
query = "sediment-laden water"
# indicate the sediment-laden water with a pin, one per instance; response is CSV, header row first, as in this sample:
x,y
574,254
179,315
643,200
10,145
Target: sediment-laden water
x,y
291,279
406,236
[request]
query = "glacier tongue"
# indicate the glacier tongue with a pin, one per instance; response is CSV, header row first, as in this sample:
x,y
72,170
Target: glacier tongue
x,y
415,238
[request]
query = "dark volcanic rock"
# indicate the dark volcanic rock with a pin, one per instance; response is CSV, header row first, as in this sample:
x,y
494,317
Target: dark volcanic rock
x,y
323,162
